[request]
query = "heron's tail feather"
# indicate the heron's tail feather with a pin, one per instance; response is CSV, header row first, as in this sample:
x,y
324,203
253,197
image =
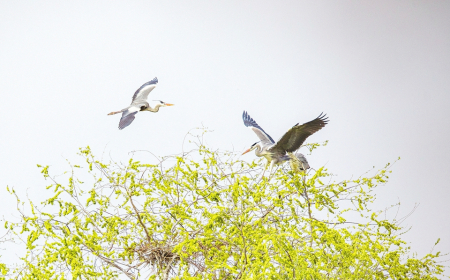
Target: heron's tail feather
x,y
113,113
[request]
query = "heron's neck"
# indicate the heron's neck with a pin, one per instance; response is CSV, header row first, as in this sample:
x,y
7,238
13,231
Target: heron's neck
x,y
154,110
258,151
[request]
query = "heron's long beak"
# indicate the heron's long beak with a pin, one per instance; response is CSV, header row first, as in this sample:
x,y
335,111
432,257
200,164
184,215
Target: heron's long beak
x,y
246,151
168,104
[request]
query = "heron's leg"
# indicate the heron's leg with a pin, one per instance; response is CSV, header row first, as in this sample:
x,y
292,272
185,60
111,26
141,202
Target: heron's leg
x,y
272,164
264,171
113,113
265,168
117,112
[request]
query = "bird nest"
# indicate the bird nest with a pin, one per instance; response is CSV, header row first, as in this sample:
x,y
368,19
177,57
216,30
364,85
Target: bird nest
x,y
159,255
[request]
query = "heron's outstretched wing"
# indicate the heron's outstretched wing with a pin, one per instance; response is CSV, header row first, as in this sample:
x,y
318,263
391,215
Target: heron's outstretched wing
x,y
127,118
294,137
141,93
262,135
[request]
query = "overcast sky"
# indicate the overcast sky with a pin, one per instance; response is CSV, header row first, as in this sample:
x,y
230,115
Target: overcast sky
x,y
379,69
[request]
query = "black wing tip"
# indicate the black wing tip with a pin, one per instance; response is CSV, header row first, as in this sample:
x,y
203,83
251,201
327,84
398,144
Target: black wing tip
x,y
323,117
153,82
249,122
247,119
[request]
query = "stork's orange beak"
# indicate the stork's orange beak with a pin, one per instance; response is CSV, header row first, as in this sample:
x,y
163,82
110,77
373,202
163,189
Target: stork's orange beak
x,y
168,104
246,151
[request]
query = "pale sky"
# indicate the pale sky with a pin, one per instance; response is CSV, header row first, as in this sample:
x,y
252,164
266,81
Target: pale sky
x,y
379,69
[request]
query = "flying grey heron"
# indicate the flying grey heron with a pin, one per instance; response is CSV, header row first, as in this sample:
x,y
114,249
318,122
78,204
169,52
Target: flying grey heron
x,y
283,150
139,103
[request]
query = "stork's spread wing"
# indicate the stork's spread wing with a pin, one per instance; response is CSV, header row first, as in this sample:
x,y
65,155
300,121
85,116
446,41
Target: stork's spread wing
x,y
127,117
142,93
294,138
262,135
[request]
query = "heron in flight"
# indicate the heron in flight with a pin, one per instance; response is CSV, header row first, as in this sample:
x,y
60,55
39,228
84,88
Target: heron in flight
x,y
139,103
283,150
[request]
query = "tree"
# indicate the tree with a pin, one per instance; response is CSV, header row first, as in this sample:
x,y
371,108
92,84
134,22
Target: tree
x,y
208,215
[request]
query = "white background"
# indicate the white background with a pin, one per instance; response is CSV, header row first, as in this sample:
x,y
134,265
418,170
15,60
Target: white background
x,y
379,69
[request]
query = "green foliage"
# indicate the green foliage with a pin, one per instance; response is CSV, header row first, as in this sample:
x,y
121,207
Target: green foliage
x,y
208,215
